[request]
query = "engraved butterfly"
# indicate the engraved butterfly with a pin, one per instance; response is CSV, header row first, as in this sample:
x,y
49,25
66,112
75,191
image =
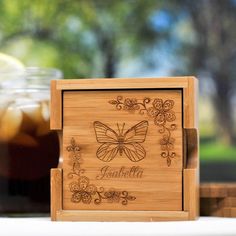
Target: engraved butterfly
x,y
127,143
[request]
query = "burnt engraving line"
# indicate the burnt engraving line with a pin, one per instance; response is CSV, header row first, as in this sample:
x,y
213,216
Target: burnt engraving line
x,y
85,192
127,143
161,112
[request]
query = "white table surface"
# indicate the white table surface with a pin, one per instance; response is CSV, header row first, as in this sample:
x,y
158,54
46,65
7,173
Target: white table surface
x,y
44,227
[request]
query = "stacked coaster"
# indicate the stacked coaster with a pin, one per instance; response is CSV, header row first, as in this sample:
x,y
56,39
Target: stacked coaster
x,y
218,199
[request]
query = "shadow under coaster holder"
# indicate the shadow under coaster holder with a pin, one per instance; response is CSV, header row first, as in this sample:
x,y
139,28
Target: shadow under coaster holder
x,y
129,149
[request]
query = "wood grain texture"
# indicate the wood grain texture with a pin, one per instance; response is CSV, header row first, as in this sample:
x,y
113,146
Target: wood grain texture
x,y
227,202
218,190
217,207
190,96
218,199
191,193
124,83
165,183
213,190
160,187
56,192
55,107
192,148
191,174
229,212
122,216
231,189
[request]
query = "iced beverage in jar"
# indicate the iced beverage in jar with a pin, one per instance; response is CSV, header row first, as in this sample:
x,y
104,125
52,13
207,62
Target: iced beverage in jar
x,y
28,149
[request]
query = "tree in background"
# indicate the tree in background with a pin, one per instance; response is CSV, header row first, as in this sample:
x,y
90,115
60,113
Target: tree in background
x,y
90,37
213,50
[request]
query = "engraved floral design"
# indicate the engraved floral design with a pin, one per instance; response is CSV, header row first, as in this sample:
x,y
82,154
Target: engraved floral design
x,y
83,191
167,143
131,104
75,159
161,112
113,196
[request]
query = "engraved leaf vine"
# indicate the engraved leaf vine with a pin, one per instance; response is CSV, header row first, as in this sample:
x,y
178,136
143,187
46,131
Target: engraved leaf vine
x,y
162,114
85,192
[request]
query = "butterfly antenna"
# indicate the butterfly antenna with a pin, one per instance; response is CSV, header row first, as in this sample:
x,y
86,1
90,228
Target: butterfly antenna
x,y
123,128
118,128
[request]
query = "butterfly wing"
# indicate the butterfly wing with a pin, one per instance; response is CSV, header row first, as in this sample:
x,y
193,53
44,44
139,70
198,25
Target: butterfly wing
x,y
109,139
132,137
107,151
131,147
134,151
137,133
104,134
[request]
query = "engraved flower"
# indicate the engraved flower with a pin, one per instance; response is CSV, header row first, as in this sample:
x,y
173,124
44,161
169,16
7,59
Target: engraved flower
x,y
73,147
167,143
82,190
161,111
75,157
131,104
112,196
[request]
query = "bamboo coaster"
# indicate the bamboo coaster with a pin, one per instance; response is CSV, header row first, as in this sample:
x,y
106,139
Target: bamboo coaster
x,y
218,199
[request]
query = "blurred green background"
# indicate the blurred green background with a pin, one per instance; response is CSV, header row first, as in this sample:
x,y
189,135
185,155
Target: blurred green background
x,y
136,38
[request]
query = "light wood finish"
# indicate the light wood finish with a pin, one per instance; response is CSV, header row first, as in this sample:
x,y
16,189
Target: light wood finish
x,y
191,200
218,199
59,214
213,190
229,212
121,215
189,84
217,207
218,190
56,192
124,83
160,192
231,189
160,187
190,96
55,107
229,201
191,174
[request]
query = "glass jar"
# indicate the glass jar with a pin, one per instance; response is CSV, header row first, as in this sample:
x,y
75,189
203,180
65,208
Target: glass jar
x,y
28,149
